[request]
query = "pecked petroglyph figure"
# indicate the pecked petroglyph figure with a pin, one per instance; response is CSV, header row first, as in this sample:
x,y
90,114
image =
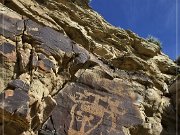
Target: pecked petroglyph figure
x,y
84,111
94,110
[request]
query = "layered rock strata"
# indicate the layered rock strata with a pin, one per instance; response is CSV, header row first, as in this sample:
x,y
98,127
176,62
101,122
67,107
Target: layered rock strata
x,y
66,71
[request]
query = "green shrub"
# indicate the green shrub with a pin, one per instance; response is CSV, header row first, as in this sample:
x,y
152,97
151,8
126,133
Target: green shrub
x,y
154,40
89,1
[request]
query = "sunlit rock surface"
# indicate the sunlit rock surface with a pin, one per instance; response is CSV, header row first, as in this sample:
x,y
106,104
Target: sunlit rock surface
x,y
66,71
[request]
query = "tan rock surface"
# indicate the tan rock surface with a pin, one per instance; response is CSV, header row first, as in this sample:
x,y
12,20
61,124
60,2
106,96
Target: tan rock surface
x,y
66,71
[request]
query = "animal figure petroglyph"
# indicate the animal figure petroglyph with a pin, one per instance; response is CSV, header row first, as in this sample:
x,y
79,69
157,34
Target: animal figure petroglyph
x,y
89,111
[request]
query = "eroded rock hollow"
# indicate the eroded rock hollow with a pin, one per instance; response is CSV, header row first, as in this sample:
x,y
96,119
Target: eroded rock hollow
x,y
66,71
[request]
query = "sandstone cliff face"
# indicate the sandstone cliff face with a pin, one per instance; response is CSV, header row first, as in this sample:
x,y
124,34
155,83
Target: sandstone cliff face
x,y
66,71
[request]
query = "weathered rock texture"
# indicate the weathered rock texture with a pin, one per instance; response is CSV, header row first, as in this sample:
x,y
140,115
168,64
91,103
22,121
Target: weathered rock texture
x,y
66,71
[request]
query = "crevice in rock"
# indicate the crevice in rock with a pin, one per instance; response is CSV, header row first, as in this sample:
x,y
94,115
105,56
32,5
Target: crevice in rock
x,y
63,86
20,45
17,64
54,129
31,66
23,33
96,88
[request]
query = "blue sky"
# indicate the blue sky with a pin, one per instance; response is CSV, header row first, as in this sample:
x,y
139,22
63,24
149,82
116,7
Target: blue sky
x,y
144,17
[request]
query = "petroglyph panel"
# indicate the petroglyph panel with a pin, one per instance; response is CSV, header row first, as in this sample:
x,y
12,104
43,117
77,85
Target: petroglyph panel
x,y
85,111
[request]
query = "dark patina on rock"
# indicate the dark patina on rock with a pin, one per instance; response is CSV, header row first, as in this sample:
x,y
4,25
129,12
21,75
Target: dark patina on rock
x,y
83,110
14,110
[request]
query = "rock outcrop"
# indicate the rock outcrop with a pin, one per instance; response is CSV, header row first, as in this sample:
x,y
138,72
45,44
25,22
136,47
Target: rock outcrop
x,y
66,71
